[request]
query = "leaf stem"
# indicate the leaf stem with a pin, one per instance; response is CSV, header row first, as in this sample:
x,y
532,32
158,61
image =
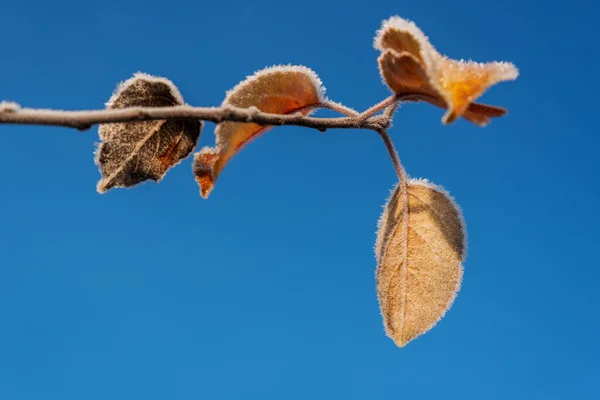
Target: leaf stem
x,y
339,107
392,104
389,145
378,107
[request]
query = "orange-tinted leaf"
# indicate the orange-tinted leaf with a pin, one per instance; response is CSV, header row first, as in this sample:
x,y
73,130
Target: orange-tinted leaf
x,y
204,165
276,90
404,74
401,35
421,243
409,63
480,114
132,152
461,82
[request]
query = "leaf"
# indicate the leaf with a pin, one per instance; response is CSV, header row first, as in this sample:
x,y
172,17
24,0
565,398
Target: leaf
x,y
421,243
133,152
410,64
276,90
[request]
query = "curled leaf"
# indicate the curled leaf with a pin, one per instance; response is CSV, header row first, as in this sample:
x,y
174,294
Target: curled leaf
x,y
276,90
409,64
421,243
132,152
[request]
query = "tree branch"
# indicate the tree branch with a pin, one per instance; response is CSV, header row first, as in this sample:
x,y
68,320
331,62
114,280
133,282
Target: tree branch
x,y
11,113
83,120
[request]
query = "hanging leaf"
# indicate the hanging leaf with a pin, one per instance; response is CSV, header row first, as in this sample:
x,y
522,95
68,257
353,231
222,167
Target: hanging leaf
x,y
409,64
421,243
276,90
133,152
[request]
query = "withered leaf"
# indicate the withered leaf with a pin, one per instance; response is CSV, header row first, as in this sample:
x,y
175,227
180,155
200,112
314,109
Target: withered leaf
x,y
276,90
421,244
132,152
409,64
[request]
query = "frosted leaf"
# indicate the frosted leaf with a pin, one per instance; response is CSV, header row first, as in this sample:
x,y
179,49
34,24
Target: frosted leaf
x,y
276,90
132,152
410,64
203,167
420,248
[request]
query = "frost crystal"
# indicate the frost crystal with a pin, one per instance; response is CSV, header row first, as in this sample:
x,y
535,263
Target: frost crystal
x,y
9,106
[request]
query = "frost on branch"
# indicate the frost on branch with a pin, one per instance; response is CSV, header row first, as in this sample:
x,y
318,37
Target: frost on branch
x,y
276,90
421,243
9,106
410,64
133,152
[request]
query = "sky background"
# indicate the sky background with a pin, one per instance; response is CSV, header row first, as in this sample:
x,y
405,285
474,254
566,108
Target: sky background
x,y
266,290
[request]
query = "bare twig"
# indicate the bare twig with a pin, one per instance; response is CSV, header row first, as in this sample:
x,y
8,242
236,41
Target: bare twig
x,y
381,105
11,113
83,120
371,111
388,113
392,104
339,107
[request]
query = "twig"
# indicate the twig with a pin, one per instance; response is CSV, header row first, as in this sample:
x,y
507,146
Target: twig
x,y
339,107
83,120
11,113
381,105
389,145
392,104
389,112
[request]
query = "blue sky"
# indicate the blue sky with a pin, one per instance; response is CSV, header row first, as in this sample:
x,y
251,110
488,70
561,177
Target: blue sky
x,y
266,290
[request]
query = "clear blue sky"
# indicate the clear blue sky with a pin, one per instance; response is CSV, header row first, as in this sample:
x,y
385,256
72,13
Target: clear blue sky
x,y
266,290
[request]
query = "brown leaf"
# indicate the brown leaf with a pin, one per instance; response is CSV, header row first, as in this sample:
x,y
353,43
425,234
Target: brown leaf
x,y
276,90
404,74
410,64
132,152
203,167
421,243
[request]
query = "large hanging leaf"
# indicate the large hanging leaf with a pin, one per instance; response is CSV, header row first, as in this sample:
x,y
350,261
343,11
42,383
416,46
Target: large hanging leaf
x,y
409,64
276,90
133,152
421,243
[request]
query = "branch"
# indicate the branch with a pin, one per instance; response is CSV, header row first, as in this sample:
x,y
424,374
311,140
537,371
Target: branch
x,y
11,113
392,104
83,120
